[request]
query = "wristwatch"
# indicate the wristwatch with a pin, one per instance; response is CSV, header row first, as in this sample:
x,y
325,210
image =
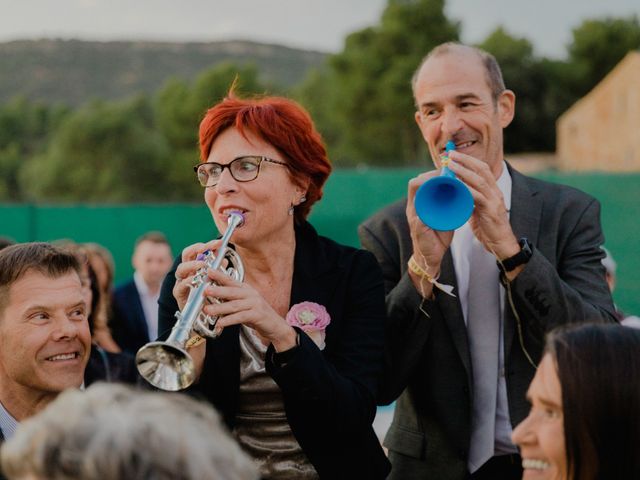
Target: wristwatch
x,y
520,258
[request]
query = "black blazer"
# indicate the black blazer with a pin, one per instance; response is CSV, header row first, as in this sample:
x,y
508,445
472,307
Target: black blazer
x,y
428,359
110,367
329,395
128,324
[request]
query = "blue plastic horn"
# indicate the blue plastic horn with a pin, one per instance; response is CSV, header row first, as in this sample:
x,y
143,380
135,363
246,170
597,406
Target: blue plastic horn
x,y
444,203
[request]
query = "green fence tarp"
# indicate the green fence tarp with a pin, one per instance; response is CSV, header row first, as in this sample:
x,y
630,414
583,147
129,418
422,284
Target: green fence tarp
x,y
350,197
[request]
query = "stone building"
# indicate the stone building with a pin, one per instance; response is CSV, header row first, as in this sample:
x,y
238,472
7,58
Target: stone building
x,y
601,131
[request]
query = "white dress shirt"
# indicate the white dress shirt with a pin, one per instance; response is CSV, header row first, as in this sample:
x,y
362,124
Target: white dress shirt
x,y
8,424
461,253
149,303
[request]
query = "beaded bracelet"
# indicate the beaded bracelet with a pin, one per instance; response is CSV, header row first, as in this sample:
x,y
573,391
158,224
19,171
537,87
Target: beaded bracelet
x,y
424,275
421,272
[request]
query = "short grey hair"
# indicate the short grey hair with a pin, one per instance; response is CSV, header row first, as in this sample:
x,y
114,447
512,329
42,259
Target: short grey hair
x,y
492,69
112,432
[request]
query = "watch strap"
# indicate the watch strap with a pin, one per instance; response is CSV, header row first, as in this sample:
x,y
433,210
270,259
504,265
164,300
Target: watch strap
x,y
520,258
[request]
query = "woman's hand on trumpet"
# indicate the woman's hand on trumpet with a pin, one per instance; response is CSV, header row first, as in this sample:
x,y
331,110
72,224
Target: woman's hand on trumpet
x,y
242,304
188,269
185,272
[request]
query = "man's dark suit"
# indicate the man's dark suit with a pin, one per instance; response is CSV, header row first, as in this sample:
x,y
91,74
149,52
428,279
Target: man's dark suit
x,y
128,324
2,477
329,395
428,358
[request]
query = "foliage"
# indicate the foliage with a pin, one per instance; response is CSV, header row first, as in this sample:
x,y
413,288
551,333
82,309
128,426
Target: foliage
x,y
525,75
598,45
363,102
74,71
142,148
546,88
136,150
366,104
103,152
25,128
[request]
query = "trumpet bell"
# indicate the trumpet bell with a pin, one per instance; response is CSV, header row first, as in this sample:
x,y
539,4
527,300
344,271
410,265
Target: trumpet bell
x,y
165,366
443,203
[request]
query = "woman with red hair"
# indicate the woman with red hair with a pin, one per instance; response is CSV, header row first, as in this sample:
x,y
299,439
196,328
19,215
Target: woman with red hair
x,y
294,370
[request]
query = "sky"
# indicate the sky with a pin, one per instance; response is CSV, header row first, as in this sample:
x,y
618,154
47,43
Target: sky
x,y
309,24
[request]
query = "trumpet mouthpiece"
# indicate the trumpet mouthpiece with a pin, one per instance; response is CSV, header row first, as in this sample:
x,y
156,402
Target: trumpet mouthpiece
x,y
236,213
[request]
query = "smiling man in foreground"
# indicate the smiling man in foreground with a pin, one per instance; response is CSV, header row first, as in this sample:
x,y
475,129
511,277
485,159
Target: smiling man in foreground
x,y
45,341
527,260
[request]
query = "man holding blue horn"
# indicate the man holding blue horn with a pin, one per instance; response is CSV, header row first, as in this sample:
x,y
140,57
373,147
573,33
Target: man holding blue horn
x,y
468,308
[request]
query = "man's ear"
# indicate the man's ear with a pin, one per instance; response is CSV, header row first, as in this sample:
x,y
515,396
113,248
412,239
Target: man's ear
x,y
506,107
419,119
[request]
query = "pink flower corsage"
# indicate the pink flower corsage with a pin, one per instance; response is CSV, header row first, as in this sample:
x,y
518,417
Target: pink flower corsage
x,y
312,318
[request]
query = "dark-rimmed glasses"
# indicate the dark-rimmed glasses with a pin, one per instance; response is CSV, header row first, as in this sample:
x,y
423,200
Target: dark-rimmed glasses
x,y
243,169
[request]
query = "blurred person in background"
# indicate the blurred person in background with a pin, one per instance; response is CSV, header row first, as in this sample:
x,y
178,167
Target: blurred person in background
x,y
611,267
584,422
111,432
102,263
294,371
135,302
6,241
104,364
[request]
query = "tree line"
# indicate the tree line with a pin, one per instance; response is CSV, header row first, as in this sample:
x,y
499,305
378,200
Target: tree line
x,y
142,148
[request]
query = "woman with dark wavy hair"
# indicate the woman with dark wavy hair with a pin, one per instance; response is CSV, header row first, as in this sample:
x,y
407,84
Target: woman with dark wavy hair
x,y
294,371
584,422
104,364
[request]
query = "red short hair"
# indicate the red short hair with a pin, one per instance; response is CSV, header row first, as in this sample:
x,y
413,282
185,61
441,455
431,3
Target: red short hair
x,y
282,123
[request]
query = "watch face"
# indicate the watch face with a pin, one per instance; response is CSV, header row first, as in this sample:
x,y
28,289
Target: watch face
x,y
526,247
519,258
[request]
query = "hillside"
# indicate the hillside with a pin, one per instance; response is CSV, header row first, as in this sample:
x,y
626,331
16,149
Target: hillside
x,y
72,71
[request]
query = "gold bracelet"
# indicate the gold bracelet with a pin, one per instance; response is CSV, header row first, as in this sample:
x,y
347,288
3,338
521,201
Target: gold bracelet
x,y
194,341
421,272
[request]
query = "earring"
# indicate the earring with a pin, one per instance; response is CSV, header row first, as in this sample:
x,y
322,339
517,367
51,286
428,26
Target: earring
x,y
302,200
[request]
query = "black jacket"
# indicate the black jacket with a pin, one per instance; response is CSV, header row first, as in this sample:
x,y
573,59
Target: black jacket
x,y
127,323
329,395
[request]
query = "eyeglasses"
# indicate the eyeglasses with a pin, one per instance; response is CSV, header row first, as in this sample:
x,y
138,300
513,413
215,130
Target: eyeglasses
x,y
243,169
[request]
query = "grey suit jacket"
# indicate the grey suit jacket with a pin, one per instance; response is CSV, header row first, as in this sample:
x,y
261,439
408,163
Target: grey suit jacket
x,y
428,360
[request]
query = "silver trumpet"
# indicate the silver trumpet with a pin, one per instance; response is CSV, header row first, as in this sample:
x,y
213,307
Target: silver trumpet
x,y
167,365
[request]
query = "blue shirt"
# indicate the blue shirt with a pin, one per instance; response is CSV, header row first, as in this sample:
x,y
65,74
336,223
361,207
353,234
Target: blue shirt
x,y
8,424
